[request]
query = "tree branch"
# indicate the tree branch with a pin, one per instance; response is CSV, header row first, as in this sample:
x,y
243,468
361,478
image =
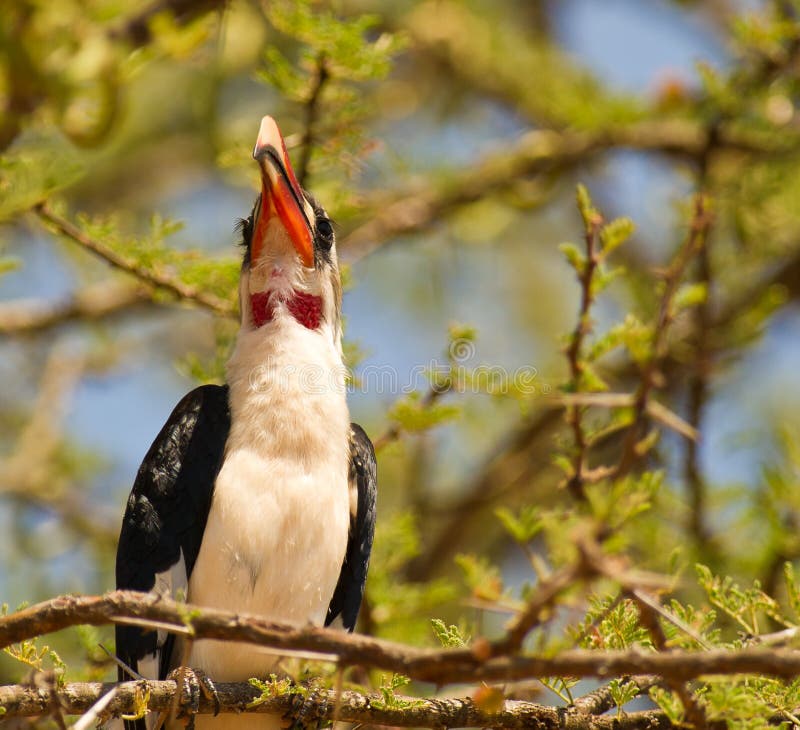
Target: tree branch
x,y
650,375
699,388
95,302
574,354
599,700
537,152
347,706
444,666
544,596
158,279
312,111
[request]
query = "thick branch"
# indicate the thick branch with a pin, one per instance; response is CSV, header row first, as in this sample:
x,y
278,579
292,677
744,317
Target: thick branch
x,y
437,666
348,706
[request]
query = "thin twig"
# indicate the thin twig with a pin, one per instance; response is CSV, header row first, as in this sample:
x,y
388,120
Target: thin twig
x,y
544,597
312,104
657,411
574,354
650,373
698,395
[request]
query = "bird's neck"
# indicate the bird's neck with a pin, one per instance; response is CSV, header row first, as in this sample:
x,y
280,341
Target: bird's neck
x,y
288,380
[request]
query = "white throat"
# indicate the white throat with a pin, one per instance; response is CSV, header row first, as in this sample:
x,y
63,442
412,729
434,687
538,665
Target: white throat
x,y
286,381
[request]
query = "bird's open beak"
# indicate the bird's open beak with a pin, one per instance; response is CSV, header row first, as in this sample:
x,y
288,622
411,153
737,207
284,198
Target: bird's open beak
x,y
280,194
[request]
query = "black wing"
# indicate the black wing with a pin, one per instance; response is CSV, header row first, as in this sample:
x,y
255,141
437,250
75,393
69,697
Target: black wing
x,y
363,478
162,529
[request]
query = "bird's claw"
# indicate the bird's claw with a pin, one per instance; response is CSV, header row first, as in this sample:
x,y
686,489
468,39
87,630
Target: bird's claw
x,y
309,708
191,683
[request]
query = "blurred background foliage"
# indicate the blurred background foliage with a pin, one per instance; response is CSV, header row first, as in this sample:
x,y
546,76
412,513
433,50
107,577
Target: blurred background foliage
x,y
445,138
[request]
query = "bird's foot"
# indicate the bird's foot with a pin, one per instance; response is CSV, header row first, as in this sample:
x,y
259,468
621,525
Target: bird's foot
x,y
309,708
191,683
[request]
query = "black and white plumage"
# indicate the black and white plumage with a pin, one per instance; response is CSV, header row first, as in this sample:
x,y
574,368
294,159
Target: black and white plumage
x,y
259,496
162,529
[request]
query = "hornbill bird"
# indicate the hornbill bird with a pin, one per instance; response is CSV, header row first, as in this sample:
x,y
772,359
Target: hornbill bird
x,y
258,496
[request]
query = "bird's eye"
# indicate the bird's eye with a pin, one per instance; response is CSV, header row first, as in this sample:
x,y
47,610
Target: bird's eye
x,y
324,233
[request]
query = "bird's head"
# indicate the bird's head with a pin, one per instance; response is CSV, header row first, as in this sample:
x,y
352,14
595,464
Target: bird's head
x,y
290,267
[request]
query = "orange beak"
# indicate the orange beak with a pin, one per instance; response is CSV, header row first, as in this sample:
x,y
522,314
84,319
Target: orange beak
x,y
280,195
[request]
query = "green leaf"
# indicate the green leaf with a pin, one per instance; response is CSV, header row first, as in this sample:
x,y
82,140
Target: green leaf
x,y
744,605
612,624
457,331
792,590
449,636
272,687
591,381
614,234
637,338
39,658
575,257
622,692
603,277
344,53
670,705
561,686
278,71
591,216
8,264
414,416
481,576
564,463
388,688
690,295
522,526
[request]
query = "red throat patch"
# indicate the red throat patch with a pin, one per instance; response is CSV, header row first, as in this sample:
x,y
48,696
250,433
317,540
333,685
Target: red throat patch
x,y
305,308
